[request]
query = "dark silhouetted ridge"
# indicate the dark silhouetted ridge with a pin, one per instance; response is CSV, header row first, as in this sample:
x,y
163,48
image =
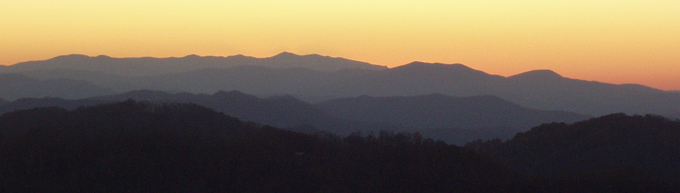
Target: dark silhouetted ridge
x,y
30,103
280,111
619,152
134,146
617,141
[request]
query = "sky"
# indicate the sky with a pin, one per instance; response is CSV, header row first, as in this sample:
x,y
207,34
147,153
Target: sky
x,y
613,41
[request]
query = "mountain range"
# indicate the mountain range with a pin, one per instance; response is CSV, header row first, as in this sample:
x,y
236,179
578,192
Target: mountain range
x,y
315,78
148,66
453,119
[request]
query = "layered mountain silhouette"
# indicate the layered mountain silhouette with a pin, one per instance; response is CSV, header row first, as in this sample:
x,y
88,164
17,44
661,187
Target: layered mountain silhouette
x,y
418,78
453,119
140,146
75,121
280,111
536,89
315,78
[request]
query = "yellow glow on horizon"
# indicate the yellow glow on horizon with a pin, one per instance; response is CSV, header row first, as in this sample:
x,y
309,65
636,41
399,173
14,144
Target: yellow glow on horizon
x,y
610,41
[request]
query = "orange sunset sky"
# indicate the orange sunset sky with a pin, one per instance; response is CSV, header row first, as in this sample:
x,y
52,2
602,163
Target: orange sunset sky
x,y
622,41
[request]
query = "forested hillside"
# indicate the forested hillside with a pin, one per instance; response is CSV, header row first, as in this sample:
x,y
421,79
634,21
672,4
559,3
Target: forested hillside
x,y
618,150
143,147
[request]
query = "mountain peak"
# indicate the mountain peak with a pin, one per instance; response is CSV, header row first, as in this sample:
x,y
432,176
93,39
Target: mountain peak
x,y
192,56
438,67
538,74
286,99
316,62
141,95
285,55
233,94
144,92
425,64
70,56
419,63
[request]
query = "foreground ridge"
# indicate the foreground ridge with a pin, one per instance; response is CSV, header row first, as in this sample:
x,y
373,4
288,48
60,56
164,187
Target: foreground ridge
x,y
138,146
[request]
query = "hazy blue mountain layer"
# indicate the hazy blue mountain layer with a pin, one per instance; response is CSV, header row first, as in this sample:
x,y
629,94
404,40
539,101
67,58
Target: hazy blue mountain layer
x,y
441,111
453,119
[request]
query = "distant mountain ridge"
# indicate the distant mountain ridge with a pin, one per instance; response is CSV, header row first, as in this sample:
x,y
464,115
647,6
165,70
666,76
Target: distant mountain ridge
x,y
441,111
537,75
148,66
280,111
543,89
456,120
14,86
317,78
